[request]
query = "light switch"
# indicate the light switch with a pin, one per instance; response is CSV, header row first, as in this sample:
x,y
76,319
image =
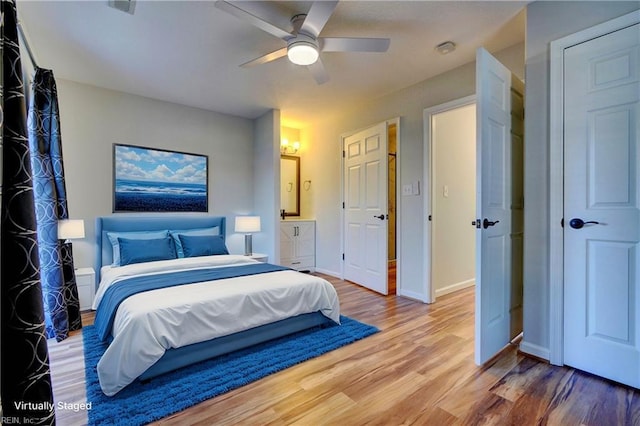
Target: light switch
x,y
415,190
445,191
407,189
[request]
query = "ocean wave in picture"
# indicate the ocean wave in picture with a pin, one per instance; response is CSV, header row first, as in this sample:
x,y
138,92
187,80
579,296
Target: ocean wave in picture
x,y
143,196
128,186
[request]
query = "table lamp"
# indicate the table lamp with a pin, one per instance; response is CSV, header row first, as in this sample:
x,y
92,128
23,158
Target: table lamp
x,y
70,229
247,225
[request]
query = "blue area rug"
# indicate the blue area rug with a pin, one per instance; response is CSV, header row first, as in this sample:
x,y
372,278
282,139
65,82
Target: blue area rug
x,y
167,394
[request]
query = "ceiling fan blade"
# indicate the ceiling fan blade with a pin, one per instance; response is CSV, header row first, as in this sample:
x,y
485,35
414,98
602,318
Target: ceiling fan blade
x,y
266,58
252,19
319,72
346,44
318,16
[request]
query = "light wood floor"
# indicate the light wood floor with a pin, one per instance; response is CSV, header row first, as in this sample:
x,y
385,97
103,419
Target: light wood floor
x,y
418,370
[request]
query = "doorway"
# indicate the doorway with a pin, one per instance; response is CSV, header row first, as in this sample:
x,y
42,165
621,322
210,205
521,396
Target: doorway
x,y
392,170
453,198
498,224
450,133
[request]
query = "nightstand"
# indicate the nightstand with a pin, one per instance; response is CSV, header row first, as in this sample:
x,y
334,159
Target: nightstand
x,y
260,257
86,282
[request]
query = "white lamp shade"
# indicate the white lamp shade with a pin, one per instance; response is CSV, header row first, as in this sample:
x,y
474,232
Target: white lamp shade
x,y
247,223
69,229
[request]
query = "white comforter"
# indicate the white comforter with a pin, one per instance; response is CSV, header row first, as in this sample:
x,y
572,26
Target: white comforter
x,y
149,323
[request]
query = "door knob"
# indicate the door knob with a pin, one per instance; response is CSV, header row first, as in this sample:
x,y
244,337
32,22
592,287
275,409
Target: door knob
x,y
381,217
577,223
487,223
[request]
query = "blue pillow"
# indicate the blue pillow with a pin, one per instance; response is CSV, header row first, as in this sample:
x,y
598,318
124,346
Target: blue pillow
x,y
202,245
175,234
138,235
139,251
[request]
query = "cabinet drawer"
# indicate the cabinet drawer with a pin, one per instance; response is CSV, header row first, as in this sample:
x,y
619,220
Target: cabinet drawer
x,y
299,263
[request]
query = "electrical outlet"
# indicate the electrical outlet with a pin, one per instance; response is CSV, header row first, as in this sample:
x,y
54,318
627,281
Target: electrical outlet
x,y
407,189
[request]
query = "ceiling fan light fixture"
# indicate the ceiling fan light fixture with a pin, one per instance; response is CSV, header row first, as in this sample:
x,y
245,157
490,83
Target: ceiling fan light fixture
x,y
302,50
302,53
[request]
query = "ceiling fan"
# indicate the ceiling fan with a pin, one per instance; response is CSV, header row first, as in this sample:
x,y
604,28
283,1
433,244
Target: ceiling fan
x,y
303,42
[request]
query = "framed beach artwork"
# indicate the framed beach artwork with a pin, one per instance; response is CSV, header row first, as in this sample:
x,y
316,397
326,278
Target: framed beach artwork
x,y
159,180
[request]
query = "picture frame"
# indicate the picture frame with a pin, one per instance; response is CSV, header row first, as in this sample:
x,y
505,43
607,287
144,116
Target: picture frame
x,y
159,180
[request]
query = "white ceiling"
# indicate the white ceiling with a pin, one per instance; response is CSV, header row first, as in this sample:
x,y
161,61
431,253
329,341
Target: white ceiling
x,y
188,52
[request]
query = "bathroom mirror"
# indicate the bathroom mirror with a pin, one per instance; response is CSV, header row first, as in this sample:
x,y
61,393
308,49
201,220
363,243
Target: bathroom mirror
x,y
290,185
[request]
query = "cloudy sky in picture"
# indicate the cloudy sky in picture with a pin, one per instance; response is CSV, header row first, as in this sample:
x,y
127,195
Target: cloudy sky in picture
x,y
152,165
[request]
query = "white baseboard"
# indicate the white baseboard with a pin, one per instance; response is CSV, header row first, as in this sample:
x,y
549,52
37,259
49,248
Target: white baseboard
x,y
535,350
455,287
412,295
328,272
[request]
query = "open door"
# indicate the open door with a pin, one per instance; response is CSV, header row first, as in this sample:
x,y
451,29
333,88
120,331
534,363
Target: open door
x,y
499,200
365,198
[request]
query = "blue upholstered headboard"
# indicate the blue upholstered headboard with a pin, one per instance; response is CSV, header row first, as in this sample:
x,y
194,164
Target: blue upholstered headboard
x,y
104,252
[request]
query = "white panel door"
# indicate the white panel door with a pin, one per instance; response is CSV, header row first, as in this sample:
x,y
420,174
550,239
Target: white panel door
x,y
499,206
365,191
601,189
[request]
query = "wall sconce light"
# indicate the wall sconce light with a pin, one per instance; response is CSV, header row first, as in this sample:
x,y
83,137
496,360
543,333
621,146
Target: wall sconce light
x,y
287,148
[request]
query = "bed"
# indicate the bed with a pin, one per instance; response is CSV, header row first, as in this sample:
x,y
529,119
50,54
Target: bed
x,y
160,314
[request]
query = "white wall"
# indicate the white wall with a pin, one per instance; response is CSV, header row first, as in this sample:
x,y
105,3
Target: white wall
x,y
93,119
266,187
454,239
546,21
307,166
324,163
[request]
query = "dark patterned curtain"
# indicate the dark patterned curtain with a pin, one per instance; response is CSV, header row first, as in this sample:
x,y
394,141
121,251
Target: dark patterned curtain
x,y
26,383
61,303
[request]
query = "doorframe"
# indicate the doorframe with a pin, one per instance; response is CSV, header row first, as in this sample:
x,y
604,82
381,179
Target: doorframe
x,y
395,120
556,169
429,291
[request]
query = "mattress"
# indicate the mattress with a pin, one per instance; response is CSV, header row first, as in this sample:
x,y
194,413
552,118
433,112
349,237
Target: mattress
x,y
149,323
